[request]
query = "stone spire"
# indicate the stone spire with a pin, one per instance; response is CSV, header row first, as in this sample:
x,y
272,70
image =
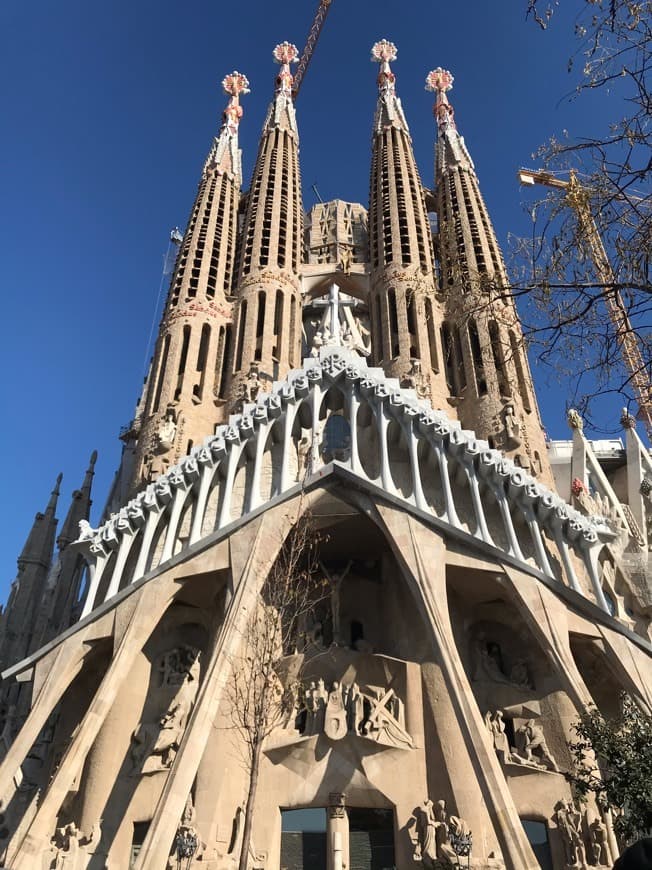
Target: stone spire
x,y
25,598
268,332
62,587
80,507
405,313
486,363
185,391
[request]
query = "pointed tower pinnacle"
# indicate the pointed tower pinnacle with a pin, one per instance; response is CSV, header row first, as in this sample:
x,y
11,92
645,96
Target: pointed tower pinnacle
x,y
79,507
404,310
486,363
269,291
61,590
185,392
20,614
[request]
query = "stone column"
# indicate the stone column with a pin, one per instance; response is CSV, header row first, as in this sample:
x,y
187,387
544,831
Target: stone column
x,y
488,806
252,551
337,836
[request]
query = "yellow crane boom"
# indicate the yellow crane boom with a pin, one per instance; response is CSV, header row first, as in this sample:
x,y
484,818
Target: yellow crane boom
x,y
311,42
578,200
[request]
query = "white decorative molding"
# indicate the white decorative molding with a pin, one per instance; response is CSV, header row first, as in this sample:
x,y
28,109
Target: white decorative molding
x,y
255,457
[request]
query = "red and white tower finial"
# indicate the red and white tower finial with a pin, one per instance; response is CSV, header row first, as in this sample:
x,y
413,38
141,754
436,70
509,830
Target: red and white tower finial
x,y
234,84
440,81
285,53
383,52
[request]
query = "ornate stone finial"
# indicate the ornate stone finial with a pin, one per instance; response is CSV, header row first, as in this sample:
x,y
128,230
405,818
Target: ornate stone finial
x,y
93,459
574,419
234,84
440,81
627,421
383,52
284,54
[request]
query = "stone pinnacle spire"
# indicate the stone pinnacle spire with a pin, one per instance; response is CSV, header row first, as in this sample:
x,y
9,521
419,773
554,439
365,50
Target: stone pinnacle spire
x,y
224,156
40,541
185,391
281,112
404,309
388,109
27,590
486,364
79,507
451,149
268,318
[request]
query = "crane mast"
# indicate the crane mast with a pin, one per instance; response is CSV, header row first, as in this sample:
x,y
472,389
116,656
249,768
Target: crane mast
x,y
311,42
578,200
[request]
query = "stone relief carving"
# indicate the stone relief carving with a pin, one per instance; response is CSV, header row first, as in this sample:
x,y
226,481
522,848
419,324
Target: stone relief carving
x,y
599,843
154,745
187,842
496,726
166,432
531,749
70,847
512,426
416,380
489,666
439,838
569,820
376,714
529,739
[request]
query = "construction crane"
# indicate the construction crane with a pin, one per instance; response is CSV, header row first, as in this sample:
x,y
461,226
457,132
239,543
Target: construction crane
x,y
578,199
311,42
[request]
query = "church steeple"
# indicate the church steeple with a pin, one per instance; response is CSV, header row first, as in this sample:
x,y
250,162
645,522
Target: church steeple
x,y
25,599
405,313
486,363
269,306
186,388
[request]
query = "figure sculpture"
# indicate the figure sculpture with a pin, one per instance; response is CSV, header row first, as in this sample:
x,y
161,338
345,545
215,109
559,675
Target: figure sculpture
x,y
440,838
496,727
530,739
568,821
599,843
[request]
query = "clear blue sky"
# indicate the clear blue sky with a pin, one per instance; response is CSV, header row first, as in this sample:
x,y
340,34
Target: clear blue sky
x,y
108,111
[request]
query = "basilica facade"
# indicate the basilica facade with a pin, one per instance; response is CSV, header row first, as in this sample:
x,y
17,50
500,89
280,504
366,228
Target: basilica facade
x,y
339,403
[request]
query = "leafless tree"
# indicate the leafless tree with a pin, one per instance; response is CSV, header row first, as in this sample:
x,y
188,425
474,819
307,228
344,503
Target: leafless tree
x,y
563,307
258,700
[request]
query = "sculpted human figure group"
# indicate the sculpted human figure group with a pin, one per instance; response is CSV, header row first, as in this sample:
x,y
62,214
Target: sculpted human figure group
x,y
439,838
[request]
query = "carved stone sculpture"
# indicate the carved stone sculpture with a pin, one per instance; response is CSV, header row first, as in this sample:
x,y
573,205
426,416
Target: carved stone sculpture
x,y
568,820
599,843
166,432
440,839
376,714
496,727
530,739
512,426
155,745
70,847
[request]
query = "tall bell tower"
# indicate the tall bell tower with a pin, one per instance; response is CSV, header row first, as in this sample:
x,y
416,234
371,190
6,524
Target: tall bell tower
x,y
268,319
185,395
405,312
485,359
